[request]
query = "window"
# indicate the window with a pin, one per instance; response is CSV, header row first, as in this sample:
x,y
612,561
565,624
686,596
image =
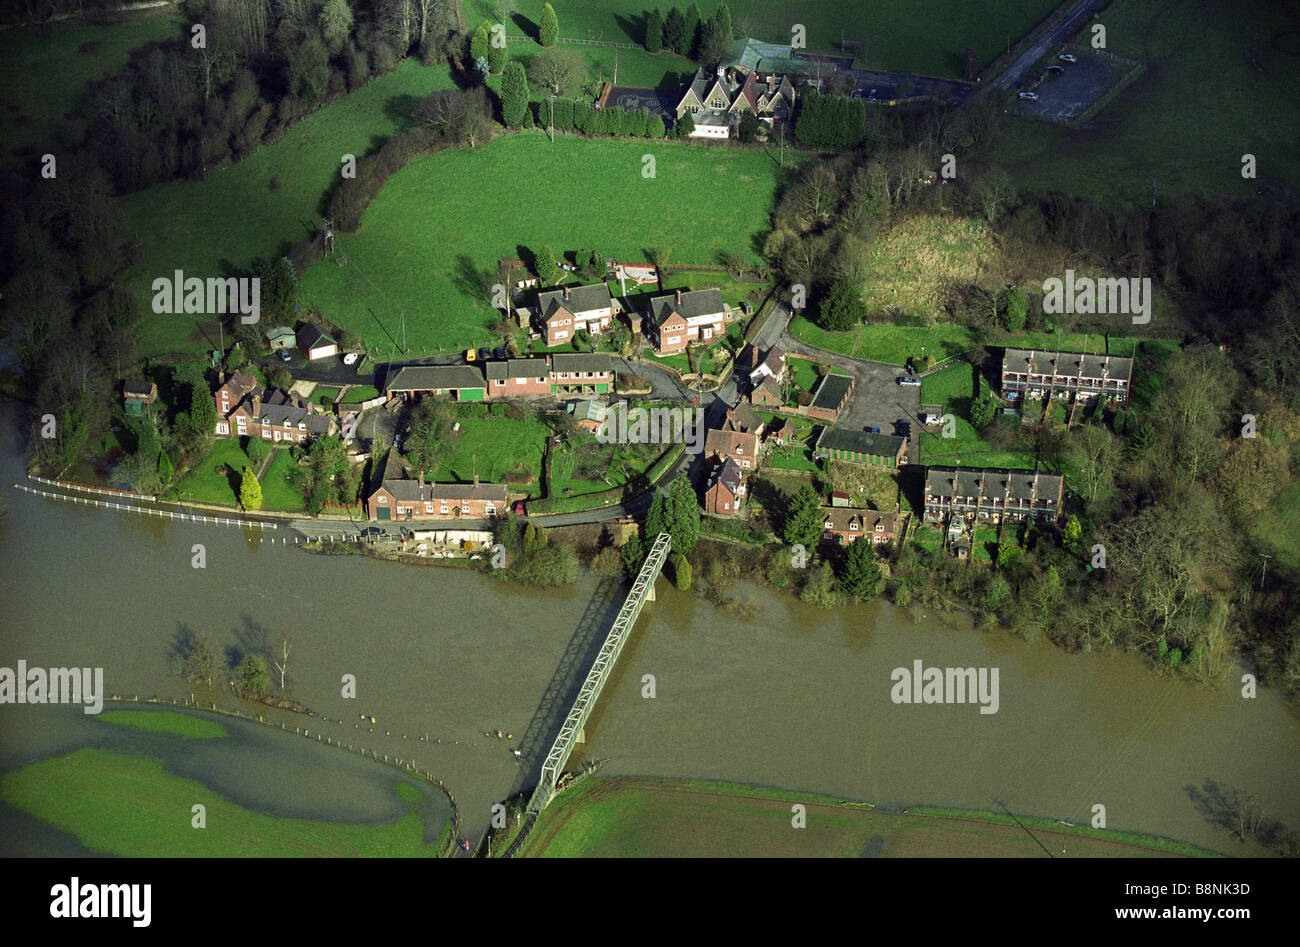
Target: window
x,y
489,509
444,508
383,500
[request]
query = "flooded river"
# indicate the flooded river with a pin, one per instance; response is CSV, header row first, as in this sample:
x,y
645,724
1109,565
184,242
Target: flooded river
x,y
794,697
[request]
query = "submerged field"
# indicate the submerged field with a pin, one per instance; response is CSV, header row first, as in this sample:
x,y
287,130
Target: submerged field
x,y
657,818
445,220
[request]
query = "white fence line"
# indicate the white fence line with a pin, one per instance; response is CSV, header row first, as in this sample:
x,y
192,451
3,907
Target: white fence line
x,y
161,514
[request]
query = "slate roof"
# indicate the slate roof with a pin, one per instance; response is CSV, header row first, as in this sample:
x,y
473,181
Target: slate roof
x,y
730,474
534,368
280,407
1067,363
844,518
725,443
311,336
830,393
434,377
583,362
744,418
859,442
698,302
945,483
581,299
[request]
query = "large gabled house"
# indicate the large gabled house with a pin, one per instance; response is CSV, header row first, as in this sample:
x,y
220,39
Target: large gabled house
x,y
716,100
245,409
679,318
726,489
721,445
562,313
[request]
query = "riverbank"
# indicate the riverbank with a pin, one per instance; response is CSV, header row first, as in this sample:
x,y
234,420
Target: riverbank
x,y
656,818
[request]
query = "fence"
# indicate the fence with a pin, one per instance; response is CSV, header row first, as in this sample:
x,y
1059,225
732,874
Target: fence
x,y
161,514
577,42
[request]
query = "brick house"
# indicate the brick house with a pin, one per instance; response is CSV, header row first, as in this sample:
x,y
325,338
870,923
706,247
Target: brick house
x,y
845,525
563,312
722,445
767,394
726,489
581,374
1031,374
245,409
860,447
744,419
771,365
680,318
990,495
398,496
516,377
831,396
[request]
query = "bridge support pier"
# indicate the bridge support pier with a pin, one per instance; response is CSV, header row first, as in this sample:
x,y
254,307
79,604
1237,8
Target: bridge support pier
x,y
650,595
581,737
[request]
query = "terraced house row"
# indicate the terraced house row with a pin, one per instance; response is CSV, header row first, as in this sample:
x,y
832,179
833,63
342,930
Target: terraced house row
x,y
1027,373
564,375
992,495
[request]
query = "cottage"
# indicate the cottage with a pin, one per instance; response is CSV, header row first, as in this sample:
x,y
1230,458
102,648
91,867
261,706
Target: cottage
x,y
516,377
245,409
992,495
860,447
722,445
845,525
563,312
726,489
743,418
314,343
676,320
771,366
1031,374
767,394
460,382
398,496
830,397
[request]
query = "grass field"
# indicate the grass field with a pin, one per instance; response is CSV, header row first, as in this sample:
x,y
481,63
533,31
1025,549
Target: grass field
x,y
278,489
203,227
1223,81
127,805
359,394
424,245
1277,530
495,448
166,721
953,389
43,73
203,484
650,818
926,36
586,466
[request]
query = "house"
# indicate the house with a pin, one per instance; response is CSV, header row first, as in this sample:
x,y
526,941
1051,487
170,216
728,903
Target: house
x,y
281,337
516,377
845,525
460,382
1027,373
830,397
245,409
716,100
771,366
767,394
744,419
314,343
679,318
136,395
581,374
779,433
860,447
720,445
726,489
992,495
563,312
398,496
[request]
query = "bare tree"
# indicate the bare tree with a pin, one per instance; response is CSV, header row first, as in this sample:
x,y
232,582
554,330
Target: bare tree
x,y
559,71
280,656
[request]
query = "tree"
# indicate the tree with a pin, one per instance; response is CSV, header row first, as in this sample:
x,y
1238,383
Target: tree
x,y
480,44
683,512
335,23
685,126
654,32
993,193
860,577
250,677
279,657
675,32
250,491
548,27
498,53
819,588
514,95
166,469
633,555
559,71
547,271
803,518
255,448
750,127
1096,455
1015,307
681,572
982,410
199,661
691,30
842,306
997,592
203,409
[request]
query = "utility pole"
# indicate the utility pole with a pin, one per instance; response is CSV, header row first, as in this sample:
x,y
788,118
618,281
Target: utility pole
x,y
615,68
552,100
1264,571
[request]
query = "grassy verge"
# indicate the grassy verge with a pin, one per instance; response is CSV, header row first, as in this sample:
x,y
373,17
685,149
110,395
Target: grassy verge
x,y
125,805
166,721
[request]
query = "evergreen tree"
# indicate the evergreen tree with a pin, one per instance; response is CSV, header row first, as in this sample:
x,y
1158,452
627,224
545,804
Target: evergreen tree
x,y
681,572
819,588
514,95
803,518
654,32
1015,307
480,44
861,578
250,676
692,21
250,491
685,126
633,555
683,515
654,126
675,31
842,306
497,55
656,521
203,408
560,111
548,28
982,410
166,469
722,23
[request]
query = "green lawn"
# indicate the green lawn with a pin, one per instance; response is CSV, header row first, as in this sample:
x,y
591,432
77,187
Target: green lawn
x,y
498,449
952,388
204,484
132,806
423,246
235,215
166,721
1277,531
278,490
926,36
585,466
359,394
43,73
1164,127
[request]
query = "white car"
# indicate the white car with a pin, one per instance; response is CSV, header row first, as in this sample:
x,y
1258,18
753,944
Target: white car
x,y
1029,96
351,358
1068,57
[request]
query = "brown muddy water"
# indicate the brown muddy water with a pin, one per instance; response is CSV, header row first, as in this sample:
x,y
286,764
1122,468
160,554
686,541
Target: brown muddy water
x,y
795,697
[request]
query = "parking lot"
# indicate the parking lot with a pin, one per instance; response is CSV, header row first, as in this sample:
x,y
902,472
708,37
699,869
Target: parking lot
x,y
1063,99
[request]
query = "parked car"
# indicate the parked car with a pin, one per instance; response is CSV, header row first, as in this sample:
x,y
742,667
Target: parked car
x,y
351,358
470,355
1068,57
1056,70
499,352
283,355
872,430
484,353
519,508
907,381
1029,96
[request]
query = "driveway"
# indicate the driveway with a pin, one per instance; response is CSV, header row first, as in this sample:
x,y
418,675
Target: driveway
x,y
1018,71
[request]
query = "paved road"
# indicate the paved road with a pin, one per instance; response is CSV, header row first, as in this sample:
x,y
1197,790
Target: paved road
x,y
1016,73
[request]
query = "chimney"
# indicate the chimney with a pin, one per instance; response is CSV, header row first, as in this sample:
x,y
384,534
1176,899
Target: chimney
x,y
476,480
421,478
257,404
566,294
679,297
